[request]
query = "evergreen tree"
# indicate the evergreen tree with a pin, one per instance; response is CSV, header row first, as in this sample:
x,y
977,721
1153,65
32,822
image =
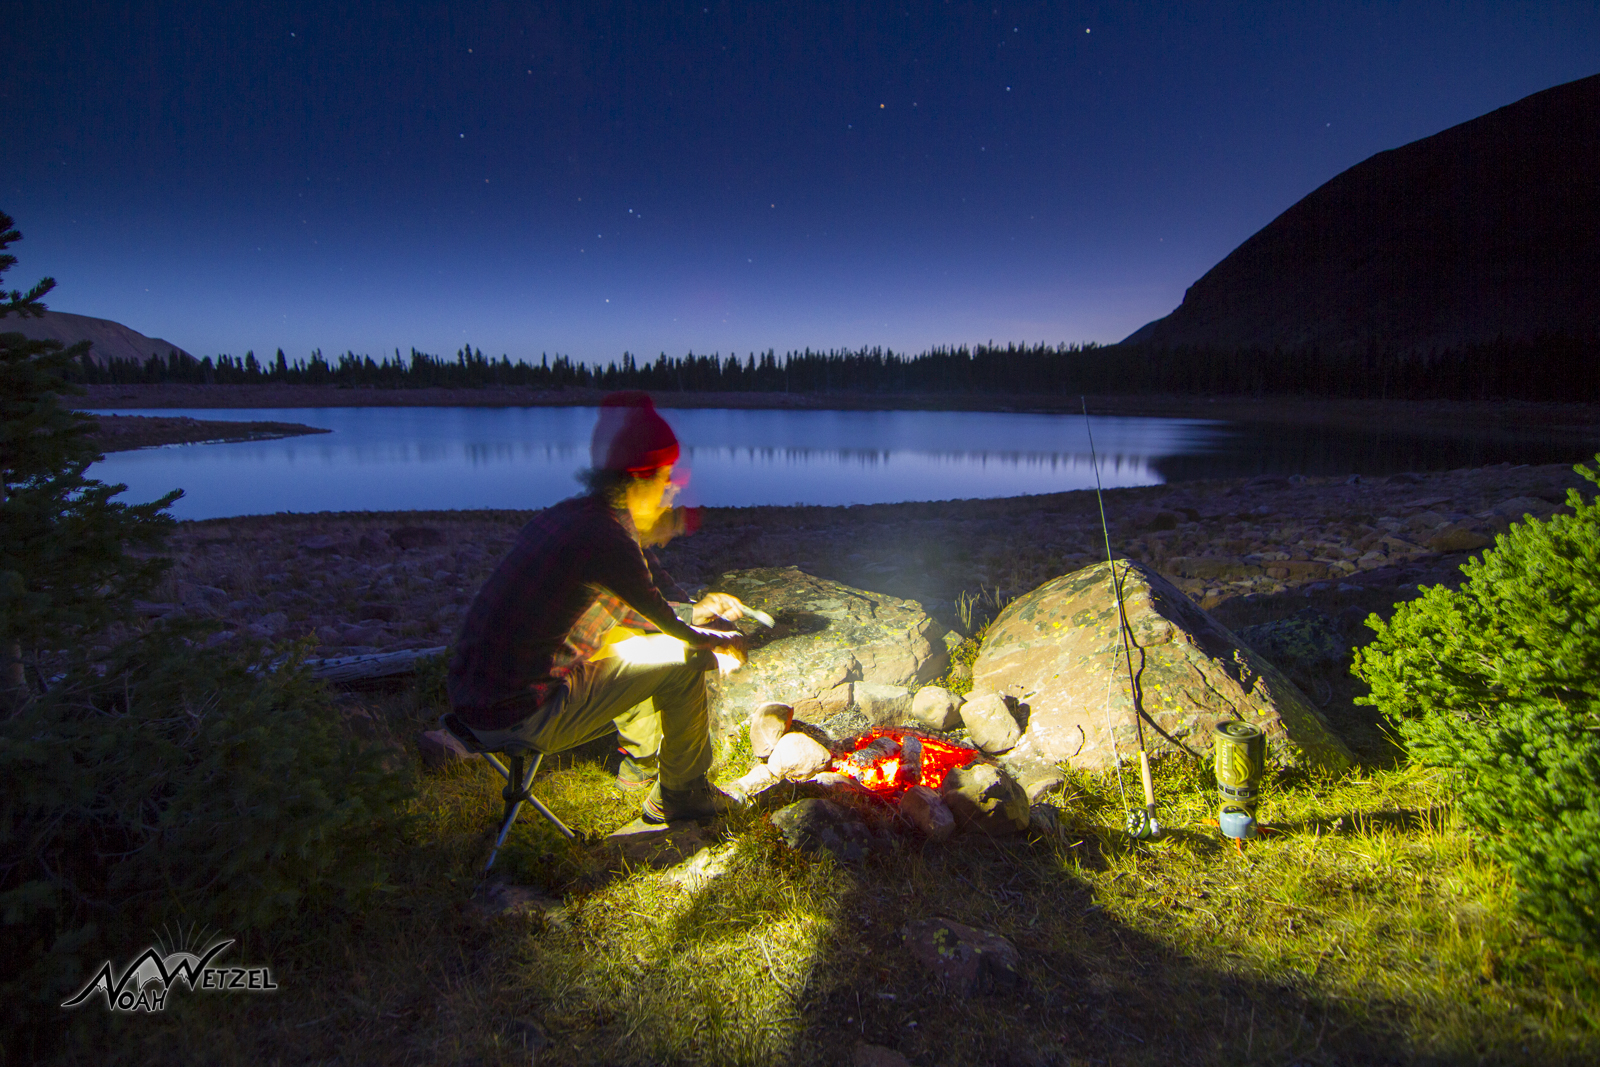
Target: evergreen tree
x,y
64,570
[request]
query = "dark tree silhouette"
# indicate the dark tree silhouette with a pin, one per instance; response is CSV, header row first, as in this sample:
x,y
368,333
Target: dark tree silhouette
x,y
64,569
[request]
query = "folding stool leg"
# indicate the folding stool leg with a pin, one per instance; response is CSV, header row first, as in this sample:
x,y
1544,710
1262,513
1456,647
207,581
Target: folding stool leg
x,y
519,780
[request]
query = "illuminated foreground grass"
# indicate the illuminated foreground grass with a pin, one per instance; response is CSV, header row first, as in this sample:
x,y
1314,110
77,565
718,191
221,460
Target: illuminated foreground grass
x,y
1367,931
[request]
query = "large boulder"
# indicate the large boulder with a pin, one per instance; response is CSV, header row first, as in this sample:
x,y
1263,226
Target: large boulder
x,y
828,636
1058,651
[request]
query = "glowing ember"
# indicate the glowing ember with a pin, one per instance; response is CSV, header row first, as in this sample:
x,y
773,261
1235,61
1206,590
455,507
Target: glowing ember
x,y
890,761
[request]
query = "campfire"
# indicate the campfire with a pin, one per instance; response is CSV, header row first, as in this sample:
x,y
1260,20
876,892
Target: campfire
x,y
925,783
889,761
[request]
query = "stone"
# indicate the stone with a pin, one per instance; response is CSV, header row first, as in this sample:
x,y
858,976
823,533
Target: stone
x,y
439,748
964,960
883,705
1519,507
498,900
270,624
1044,819
658,846
990,723
926,810
819,824
768,723
1305,641
1456,538
364,634
797,757
936,708
1212,567
865,1055
836,700
1040,784
409,537
753,783
981,796
827,635
319,546
1059,648
703,868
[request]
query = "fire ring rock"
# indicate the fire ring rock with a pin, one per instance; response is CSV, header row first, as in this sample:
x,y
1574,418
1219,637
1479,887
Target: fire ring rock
x,y
936,708
984,797
1059,651
966,961
768,723
990,722
798,757
809,825
828,635
927,811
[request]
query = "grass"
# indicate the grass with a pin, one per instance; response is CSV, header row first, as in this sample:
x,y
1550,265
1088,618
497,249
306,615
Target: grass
x,y
1367,929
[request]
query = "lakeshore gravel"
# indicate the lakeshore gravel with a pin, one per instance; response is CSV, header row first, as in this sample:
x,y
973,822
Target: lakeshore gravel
x,y
367,582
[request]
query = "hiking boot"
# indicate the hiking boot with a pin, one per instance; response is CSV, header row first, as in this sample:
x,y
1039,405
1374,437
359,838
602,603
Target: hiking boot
x,y
635,774
697,800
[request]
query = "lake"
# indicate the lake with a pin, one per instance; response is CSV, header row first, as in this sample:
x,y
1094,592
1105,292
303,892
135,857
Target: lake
x,y
425,458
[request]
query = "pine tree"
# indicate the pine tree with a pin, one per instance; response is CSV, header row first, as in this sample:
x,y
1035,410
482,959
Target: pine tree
x,y
1499,682
64,570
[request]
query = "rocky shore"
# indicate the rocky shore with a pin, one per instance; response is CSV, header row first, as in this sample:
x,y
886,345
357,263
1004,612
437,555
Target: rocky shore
x,y
123,433
1248,550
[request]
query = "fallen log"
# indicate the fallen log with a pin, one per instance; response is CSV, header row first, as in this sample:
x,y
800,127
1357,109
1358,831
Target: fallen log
x,y
339,670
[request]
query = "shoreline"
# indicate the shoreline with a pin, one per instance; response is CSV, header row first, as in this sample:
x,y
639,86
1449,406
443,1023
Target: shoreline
x,y
1555,422
125,433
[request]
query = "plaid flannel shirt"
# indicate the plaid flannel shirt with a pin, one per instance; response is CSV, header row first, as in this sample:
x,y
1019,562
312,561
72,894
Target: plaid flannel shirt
x,y
575,571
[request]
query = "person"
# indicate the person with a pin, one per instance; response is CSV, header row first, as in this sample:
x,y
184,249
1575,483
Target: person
x,y
531,662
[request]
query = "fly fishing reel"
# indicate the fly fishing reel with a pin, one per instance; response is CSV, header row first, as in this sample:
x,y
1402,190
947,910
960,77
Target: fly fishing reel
x,y
1142,824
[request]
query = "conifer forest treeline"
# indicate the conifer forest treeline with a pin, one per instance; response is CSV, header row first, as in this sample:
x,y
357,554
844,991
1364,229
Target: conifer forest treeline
x,y
1546,368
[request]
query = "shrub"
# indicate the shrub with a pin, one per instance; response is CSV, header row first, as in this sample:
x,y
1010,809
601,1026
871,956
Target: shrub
x,y
180,789
1499,682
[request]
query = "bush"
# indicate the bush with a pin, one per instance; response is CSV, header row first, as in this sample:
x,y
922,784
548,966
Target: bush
x,y
183,788
1500,683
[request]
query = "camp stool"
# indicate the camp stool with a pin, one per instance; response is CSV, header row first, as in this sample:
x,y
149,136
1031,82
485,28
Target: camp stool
x,y
518,776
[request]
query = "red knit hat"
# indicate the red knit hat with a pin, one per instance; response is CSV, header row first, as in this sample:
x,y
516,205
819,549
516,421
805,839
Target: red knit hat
x,y
630,436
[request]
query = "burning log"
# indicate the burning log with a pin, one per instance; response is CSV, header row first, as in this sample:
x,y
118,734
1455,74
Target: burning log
x,y
889,762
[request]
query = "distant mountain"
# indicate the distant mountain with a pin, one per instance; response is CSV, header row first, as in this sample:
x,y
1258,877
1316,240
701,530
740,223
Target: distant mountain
x,y
107,340
1488,230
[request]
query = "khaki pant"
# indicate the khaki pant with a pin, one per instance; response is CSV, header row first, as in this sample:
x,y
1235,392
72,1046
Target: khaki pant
x,y
658,711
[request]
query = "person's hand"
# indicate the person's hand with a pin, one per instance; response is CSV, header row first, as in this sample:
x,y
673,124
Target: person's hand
x,y
716,606
731,644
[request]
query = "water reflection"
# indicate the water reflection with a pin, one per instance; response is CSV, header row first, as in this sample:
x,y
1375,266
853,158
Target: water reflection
x,y
442,458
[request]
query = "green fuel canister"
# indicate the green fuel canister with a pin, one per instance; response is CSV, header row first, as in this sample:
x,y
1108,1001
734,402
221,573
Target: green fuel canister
x,y
1241,758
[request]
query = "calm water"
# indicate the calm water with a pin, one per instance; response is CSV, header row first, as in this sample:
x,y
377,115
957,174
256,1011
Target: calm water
x,y
382,459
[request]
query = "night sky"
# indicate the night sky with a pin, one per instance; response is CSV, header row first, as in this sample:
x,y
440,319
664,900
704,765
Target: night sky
x,y
589,178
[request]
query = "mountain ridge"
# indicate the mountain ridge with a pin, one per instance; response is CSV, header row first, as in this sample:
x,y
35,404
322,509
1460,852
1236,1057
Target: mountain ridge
x,y
108,340
1488,230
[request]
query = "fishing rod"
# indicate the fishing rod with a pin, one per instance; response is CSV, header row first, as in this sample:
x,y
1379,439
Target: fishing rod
x,y
1141,825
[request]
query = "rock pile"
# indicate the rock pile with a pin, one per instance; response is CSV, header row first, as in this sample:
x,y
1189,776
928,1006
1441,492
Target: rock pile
x,y
974,794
